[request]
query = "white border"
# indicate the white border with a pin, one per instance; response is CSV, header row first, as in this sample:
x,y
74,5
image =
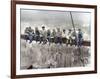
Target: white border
x,y
41,71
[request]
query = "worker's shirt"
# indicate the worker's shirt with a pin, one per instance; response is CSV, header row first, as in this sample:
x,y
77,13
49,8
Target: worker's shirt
x,y
74,35
64,35
26,31
37,33
48,33
69,35
59,34
53,34
43,33
80,35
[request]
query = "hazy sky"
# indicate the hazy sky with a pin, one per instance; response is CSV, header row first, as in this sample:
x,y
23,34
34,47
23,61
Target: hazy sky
x,y
53,19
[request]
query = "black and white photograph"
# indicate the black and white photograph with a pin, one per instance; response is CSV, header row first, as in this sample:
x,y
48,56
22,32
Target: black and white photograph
x,y
54,39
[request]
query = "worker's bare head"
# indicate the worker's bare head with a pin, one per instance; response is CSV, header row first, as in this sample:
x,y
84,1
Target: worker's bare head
x,y
79,30
29,27
64,30
70,30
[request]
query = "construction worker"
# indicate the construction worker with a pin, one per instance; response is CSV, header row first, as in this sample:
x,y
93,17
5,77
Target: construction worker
x,y
64,36
49,36
74,38
53,36
43,35
37,34
80,37
31,34
26,32
69,37
59,36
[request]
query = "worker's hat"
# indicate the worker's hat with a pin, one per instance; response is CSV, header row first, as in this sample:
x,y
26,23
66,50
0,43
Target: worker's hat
x,y
43,26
